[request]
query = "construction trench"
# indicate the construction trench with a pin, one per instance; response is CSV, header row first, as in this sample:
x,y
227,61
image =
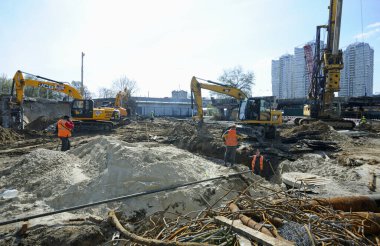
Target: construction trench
x,y
165,183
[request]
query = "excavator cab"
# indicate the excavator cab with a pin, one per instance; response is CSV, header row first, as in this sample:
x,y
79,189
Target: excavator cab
x,y
82,108
88,117
258,117
259,110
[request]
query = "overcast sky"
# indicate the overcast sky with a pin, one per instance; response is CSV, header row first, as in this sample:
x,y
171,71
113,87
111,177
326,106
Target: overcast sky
x,y
162,44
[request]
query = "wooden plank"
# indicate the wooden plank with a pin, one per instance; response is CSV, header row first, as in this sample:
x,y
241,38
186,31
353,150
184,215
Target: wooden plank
x,y
303,180
245,231
243,241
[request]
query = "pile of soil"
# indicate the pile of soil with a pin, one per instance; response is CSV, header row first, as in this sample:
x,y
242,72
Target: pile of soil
x,y
41,170
8,136
344,180
318,131
126,168
41,123
105,167
204,140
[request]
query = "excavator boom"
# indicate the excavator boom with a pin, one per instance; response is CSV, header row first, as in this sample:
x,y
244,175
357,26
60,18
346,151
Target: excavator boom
x,y
19,82
255,113
196,90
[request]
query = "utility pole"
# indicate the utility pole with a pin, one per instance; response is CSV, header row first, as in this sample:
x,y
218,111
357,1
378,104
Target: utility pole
x,y
81,81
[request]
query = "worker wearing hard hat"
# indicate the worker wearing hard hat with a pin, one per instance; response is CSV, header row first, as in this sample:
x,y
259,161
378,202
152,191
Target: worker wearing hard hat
x,y
231,141
65,126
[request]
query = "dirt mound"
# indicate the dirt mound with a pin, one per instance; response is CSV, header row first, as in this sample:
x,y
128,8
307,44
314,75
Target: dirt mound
x,y
8,136
344,180
105,167
125,168
203,140
43,172
317,130
41,123
315,126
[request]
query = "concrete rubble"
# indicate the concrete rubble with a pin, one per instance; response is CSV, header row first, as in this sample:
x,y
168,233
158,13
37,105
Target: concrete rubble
x,y
145,156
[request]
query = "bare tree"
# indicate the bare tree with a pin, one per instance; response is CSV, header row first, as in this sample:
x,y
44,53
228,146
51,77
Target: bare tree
x,y
5,84
87,93
236,77
124,82
104,92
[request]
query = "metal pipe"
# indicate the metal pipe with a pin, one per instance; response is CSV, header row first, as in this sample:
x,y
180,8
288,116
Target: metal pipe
x,y
337,24
370,203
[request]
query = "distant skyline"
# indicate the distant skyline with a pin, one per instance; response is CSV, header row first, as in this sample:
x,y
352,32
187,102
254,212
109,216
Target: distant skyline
x,y
162,44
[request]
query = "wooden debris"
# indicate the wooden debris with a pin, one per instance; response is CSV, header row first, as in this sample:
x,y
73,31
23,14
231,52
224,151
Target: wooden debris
x,y
145,241
303,180
279,217
246,231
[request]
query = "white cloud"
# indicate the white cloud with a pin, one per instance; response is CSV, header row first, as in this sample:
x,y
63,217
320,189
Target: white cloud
x,y
368,34
373,25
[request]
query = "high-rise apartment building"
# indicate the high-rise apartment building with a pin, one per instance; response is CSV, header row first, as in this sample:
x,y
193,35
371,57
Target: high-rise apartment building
x,y
282,76
286,76
357,74
276,78
290,75
300,76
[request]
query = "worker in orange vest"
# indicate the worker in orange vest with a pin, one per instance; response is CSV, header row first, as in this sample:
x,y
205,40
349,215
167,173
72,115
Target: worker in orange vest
x,y
65,126
231,141
258,164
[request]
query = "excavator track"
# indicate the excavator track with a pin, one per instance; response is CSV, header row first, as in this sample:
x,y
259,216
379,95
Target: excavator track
x,y
337,124
81,126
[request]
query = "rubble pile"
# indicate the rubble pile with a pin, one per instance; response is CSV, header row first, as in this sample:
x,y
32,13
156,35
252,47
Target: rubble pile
x,y
315,136
8,136
41,123
318,129
343,180
204,140
279,217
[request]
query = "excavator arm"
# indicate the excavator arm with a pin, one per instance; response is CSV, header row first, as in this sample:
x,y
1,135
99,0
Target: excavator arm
x,y
196,93
19,82
120,96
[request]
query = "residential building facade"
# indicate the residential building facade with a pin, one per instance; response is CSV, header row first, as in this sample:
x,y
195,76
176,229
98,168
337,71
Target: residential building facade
x,y
275,78
282,77
357,74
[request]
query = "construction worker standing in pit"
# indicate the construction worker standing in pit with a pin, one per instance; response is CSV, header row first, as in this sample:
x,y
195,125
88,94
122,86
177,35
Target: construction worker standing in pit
x,y
64,127
231,141
258,166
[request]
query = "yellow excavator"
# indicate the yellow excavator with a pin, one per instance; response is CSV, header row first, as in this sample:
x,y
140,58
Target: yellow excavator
x,y
120,97
325,75
256,117
85,115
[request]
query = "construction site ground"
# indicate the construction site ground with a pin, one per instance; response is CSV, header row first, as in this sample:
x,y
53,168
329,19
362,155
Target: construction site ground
x,y
37,178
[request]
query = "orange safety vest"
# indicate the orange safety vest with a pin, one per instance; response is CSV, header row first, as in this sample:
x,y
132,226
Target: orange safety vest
x,y
231,138
261,163
63,131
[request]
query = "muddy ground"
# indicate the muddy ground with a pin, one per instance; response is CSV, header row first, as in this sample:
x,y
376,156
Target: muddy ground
x,y
148,155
